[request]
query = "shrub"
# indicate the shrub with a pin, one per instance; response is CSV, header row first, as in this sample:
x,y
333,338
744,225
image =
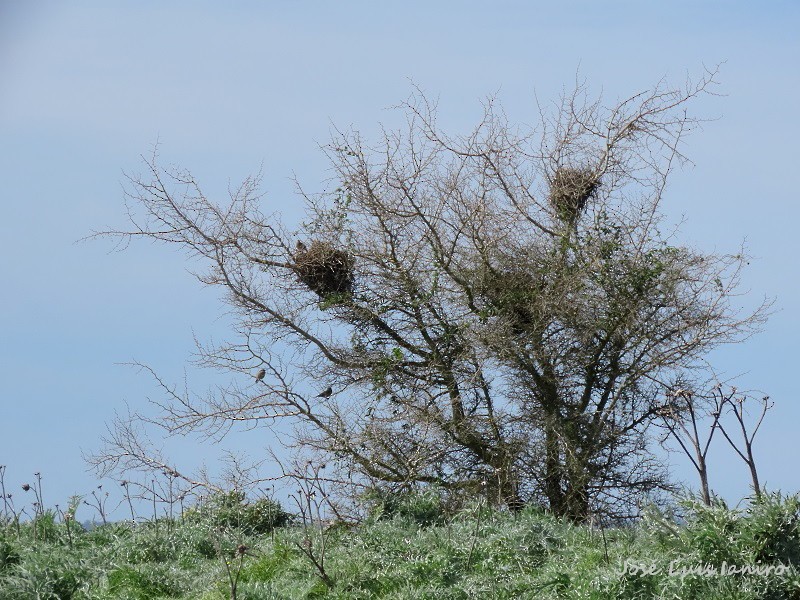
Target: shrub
x,y
772,529
46,573
425,507
152,545
269,565
9,555
231,510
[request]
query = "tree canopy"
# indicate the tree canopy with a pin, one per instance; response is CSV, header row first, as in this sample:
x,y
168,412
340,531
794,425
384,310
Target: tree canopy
x,y
498,313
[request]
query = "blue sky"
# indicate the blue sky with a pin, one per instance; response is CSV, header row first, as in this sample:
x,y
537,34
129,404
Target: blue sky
x,y
86,87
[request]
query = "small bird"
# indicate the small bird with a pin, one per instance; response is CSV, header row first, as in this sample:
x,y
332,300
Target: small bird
x,y
326,394
260,375
300,247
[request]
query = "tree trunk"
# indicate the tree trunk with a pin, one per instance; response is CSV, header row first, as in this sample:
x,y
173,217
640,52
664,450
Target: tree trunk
x,y
553,471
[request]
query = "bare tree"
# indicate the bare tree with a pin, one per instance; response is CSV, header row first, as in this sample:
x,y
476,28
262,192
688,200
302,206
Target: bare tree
x,y
691,418
736,405
684,417
500,306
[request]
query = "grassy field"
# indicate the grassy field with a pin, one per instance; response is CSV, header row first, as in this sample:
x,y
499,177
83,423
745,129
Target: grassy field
x,y
414,552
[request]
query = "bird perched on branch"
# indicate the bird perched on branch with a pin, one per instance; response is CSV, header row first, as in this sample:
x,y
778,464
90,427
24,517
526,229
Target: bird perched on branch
x,y
260,375
300,247
326,394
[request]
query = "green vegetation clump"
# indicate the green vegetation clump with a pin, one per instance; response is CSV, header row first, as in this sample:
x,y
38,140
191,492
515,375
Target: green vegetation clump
x,y
414,548
423,508
231,510
9,555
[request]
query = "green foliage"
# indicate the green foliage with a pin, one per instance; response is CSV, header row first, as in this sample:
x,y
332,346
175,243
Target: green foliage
x,y
335,299
45,525
49,572
772,533
142,583
231,510
105,535
424,508
269,565
162,545
9,554
414,548
768,531
384,366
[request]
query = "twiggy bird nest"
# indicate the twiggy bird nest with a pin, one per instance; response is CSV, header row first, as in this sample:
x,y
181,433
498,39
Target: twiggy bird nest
x,y
570,190
513,294
324,269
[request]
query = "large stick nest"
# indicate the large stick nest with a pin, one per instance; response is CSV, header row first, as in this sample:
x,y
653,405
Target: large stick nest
x,y
324,269
570,190
513,294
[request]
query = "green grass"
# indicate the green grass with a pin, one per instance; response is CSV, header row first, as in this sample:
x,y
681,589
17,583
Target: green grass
x,y
403,556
